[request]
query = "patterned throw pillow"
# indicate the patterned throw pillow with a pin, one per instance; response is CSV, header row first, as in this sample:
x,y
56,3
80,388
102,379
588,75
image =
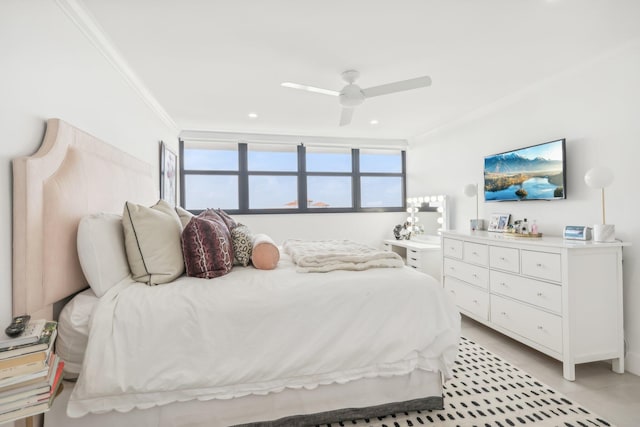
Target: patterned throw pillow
x,y
242,240
230,222
207,246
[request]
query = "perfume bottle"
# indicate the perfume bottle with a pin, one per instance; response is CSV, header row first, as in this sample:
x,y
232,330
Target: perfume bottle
x,y
534,227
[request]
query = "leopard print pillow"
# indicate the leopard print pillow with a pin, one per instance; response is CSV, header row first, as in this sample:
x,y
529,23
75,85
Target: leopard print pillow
x,y
242,241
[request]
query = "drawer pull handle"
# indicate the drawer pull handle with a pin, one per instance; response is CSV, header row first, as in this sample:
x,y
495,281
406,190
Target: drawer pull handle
x,y
502,258
475,301
475,253
503,284
475,275
540,327
539,294
538,265
503,313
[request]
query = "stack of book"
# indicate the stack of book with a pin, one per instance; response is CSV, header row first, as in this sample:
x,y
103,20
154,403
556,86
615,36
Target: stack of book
x,y
30,372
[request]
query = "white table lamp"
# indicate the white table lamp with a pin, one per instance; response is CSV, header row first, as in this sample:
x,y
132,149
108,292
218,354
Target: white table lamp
x,y
601,177
471,190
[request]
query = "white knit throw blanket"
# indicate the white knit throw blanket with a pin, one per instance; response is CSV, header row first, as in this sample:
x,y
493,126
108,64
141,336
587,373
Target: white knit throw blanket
x,y
321,256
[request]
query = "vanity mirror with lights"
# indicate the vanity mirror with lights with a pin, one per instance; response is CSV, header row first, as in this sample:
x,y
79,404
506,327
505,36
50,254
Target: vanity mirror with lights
x,y
428,217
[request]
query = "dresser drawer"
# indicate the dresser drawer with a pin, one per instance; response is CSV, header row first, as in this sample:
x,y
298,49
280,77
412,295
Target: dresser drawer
x,y
507,259
452,248
538,326
543,265
468,298
475,253
473,274
541,294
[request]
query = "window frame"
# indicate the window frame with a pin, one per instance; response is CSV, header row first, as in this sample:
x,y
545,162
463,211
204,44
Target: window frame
x,y
243,175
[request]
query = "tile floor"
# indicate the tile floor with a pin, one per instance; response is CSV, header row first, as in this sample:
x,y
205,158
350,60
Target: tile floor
x,y
615,397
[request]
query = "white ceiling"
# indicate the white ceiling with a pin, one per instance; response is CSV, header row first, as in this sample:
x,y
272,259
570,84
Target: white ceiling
x,y
211,62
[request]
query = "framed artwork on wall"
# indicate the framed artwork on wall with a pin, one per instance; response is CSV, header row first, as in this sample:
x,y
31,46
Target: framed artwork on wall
x,y
499,222
168,175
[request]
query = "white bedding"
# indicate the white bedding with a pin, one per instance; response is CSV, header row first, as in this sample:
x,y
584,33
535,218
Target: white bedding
x,y
255,331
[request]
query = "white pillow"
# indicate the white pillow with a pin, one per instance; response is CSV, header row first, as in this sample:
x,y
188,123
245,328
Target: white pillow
x,y
152,242
101,251
73,331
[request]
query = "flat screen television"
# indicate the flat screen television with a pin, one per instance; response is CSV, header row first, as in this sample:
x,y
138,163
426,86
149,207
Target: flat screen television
x,y
537,172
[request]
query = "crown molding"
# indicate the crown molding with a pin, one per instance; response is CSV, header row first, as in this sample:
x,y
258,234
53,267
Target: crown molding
x,y
87,24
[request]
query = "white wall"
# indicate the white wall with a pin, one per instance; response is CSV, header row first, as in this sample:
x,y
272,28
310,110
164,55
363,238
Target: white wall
x,y
368,228
49,69
596,107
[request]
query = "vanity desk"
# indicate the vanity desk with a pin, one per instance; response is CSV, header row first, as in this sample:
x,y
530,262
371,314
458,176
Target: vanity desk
x,y
561,297
422,255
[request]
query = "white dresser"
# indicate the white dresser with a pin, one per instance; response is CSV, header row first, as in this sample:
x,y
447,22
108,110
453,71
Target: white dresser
x,y
425,256
561,297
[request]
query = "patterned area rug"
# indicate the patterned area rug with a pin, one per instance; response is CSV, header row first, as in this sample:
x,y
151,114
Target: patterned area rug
x,y
487,391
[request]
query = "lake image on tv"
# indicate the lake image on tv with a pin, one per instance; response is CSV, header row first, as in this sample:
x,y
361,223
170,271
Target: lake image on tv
x,y
534,173
536,188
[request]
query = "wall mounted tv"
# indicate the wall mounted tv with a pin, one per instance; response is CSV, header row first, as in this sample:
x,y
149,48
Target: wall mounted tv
x,y
537,172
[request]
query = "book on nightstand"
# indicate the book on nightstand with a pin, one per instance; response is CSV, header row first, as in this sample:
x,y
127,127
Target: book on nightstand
x,y
31,334
30,376
35,403
47,336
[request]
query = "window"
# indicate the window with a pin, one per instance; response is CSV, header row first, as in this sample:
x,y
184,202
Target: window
x,y
285,178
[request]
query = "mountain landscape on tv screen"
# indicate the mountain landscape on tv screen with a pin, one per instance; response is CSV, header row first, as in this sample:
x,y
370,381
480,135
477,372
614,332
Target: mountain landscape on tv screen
x,y
510,176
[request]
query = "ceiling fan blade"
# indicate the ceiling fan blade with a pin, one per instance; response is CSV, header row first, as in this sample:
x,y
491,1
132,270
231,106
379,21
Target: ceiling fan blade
x,y
310,88
345,117
397,86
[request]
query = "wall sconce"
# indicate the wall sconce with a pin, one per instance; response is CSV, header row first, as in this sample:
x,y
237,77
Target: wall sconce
x,y
601,177
471,190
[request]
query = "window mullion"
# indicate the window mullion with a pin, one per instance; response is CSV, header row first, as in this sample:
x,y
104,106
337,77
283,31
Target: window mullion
x,y
355,181
302,178
243,178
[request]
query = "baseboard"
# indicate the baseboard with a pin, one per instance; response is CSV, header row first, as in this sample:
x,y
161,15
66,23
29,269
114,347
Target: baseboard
x,y
632,363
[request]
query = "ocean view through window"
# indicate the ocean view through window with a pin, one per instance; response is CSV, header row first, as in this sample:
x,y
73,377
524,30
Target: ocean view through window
x,y
252,178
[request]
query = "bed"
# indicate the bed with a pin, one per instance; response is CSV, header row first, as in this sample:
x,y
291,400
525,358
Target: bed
x,y
378,341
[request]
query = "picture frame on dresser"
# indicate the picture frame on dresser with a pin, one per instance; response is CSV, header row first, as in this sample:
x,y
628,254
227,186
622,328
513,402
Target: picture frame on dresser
x,y
168,174
499,222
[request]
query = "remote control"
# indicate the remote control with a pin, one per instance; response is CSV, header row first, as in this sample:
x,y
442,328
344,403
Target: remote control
x,y
17,326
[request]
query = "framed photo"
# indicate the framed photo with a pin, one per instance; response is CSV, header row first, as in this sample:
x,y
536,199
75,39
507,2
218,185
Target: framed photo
x,y
499,222
168,175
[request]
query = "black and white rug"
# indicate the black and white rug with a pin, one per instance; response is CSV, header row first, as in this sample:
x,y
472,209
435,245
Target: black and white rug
x,y
487,391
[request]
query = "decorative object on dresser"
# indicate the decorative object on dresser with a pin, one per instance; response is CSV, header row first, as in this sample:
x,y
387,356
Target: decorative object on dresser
x,y
601,177
471,190
563,298
499,222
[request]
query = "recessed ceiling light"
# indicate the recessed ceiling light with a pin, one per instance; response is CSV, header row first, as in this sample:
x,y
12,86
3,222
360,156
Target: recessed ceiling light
x,y
253,115
374,122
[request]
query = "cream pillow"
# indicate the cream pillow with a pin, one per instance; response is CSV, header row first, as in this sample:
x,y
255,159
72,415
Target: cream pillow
x,y
184,215
101,251
152,241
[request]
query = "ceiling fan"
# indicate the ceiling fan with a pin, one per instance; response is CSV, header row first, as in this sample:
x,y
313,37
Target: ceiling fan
x,y
352,95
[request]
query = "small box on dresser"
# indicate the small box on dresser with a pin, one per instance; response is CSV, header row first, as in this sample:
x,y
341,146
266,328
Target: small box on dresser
x,y
563,298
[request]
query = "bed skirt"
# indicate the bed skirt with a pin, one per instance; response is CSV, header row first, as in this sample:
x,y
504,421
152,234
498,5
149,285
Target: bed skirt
x,y
369,397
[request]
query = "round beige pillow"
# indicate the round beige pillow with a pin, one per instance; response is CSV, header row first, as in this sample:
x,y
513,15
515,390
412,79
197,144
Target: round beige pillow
x,y
265,254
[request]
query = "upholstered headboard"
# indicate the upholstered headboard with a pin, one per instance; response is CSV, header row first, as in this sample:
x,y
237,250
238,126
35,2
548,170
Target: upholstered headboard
x,y
71,175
